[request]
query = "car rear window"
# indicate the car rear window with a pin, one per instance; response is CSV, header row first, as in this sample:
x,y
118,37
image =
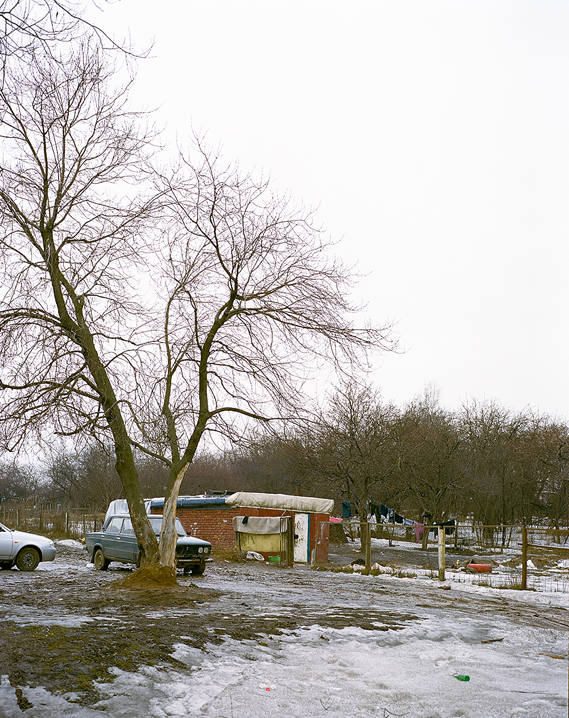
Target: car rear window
x,y
127,527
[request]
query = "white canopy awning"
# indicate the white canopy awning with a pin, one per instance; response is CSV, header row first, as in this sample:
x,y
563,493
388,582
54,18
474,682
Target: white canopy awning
x,y
305,504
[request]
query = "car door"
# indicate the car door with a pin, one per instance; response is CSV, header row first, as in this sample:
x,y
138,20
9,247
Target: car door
x,y
129,544
6,543
110,539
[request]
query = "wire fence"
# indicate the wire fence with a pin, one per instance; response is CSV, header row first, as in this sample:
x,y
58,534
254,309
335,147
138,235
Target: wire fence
x,y
535,582
513,556
53,520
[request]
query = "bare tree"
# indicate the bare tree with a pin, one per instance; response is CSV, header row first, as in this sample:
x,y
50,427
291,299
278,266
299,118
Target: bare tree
x,y
515,464
429,462
85,478
28,26
71,245
355,449
251,306
493,465
277,464
17,483
149,317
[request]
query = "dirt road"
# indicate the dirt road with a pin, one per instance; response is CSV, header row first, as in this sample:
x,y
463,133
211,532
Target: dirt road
x,y
63,627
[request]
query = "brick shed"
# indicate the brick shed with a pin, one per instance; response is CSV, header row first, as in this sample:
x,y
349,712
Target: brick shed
x,y
211,518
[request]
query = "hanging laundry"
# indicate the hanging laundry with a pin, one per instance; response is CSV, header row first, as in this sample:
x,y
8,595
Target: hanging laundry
x,y
419,530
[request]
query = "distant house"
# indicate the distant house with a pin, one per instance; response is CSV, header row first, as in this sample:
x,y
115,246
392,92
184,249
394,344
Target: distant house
x,y
273,525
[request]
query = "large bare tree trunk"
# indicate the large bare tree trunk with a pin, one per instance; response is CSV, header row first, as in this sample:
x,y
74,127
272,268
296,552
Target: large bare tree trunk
x,y
168,535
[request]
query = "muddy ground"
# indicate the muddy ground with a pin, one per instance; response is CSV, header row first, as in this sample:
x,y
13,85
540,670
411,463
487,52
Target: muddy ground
x,y
64,626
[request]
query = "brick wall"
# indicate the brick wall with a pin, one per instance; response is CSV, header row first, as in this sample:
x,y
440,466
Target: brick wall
x,y
211,524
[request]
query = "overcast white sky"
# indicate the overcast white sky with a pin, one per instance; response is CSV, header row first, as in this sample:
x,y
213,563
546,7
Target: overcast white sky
x,y
432,137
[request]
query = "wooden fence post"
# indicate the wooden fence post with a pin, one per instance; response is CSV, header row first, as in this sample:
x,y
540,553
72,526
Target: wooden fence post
x,y
524,557
365,541
441,553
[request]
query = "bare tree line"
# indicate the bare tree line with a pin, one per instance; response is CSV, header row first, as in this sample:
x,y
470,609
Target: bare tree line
x,y
483,462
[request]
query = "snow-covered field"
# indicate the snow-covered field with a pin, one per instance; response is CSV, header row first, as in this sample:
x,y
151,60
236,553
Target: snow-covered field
x,y
511,644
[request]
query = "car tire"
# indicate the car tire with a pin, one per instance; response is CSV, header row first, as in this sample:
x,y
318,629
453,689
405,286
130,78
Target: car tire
x,y
28,559
197,570
99,560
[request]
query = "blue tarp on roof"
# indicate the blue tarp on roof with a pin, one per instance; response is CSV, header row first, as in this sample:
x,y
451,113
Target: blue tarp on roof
x,y
194,502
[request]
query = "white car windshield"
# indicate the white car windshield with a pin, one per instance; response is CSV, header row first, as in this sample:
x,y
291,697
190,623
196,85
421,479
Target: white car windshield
x,y
120,525
156,524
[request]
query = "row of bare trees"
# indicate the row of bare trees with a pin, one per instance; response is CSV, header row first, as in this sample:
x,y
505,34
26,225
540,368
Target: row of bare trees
x,y
87,478
483,462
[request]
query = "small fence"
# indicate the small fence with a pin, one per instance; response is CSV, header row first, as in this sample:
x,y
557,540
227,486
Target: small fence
x,y
465,535
540,582
50,520
524,557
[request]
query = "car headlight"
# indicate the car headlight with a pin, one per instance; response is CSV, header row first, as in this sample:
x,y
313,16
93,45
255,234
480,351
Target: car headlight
x,y
206,550
200,550
52,545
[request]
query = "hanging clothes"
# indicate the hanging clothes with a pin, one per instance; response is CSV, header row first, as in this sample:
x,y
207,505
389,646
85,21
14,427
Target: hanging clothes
x,y
419,530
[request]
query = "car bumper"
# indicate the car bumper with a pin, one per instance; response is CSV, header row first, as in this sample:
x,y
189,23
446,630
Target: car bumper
x,y
48,554
183,562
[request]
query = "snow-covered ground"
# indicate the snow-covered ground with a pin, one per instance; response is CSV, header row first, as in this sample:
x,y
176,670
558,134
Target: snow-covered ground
x,y
511,644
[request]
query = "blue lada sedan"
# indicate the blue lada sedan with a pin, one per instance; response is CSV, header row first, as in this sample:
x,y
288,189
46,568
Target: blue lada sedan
x,y
116,541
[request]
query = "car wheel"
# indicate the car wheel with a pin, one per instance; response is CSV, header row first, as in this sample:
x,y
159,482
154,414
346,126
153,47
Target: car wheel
x,y
28,559
197,570
101,563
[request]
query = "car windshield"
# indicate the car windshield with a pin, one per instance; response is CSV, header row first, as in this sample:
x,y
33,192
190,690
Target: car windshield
x,y
156,524
120,525
4,528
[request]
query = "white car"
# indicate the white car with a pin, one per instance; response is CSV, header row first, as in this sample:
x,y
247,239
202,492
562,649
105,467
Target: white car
x,y
24,550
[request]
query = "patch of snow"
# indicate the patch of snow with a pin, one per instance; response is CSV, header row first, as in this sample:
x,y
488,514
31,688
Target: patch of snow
x,y
351,672
71,543
382,569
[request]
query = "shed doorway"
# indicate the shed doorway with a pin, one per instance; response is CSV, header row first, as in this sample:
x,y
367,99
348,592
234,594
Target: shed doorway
x,y
301,538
